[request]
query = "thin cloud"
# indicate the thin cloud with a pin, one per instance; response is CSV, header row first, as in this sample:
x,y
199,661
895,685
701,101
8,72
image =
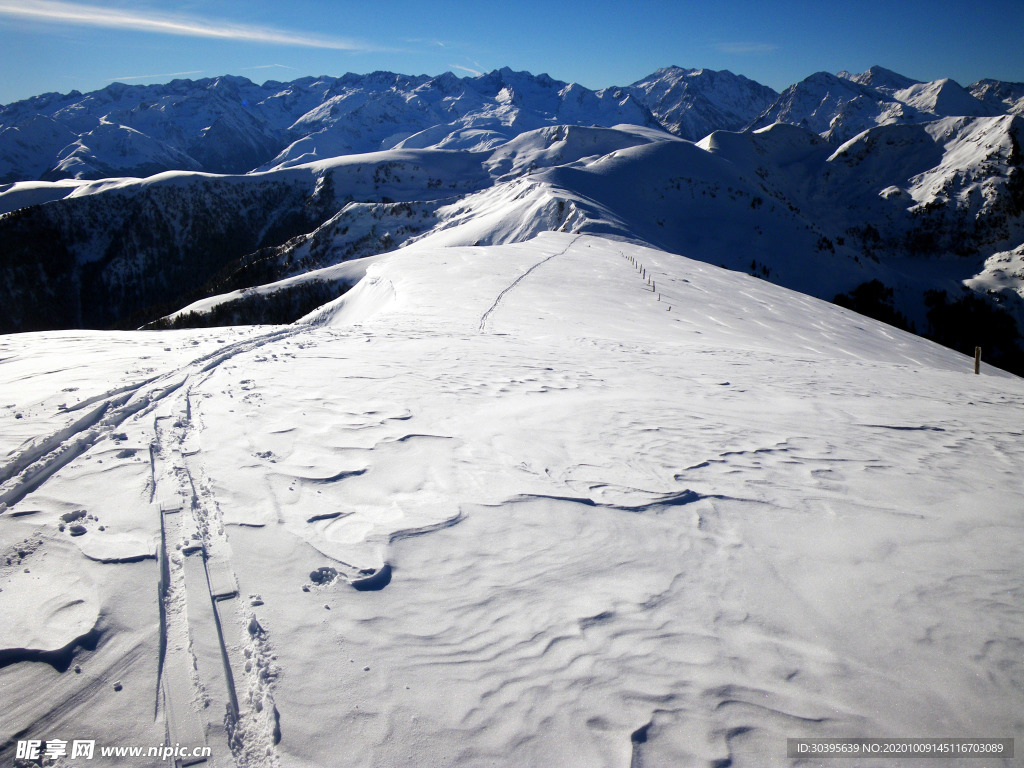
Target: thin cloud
x,y
474,72
58,12
166,74
430,40
746,48
270,66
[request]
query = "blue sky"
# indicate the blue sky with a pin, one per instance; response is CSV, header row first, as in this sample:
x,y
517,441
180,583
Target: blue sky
x,y
61,45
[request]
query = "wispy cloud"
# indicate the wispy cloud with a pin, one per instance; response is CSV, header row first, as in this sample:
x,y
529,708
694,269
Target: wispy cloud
x,y
58,12
270,66
746,48
474,72
429,40
165,74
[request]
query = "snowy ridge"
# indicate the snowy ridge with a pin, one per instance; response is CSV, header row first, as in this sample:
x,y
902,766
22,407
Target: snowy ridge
x,y
919,208
566,501
779,203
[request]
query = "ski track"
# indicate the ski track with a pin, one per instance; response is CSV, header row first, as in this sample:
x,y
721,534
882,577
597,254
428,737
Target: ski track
x,y
33,465
203,610
497,301
198,662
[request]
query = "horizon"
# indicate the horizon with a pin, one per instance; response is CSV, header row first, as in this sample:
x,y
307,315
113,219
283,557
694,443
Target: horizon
x,y
261,82
59,46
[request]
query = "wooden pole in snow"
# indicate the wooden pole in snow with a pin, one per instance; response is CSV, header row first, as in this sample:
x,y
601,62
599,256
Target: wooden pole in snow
x,y
977,360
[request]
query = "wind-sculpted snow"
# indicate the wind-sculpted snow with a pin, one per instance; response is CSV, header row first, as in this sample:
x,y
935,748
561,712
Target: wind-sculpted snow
x,y
57,611
570,501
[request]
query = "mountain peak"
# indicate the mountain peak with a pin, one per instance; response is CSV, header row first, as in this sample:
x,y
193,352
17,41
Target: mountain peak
x,y
692,103
235,80
674,69
943,98
880,78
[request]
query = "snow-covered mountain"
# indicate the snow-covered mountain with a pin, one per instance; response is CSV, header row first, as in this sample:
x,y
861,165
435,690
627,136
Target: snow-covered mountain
x,y
925,209
921,208
569,501
880,79
490,461
840,106
204,125
691,103
231,125
1000,96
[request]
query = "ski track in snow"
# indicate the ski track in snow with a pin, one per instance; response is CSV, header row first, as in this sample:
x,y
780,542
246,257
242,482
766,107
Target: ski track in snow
x,y
186,513
584,530
497,301
45,455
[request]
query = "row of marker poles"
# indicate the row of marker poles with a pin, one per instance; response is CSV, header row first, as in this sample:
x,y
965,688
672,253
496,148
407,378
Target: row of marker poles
x,y
643,275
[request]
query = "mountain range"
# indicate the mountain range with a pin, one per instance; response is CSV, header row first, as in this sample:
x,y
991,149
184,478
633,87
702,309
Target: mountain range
x,y
900,199
515,441
232,125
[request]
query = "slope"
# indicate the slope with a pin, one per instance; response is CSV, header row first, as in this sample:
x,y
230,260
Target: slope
x,y
511,505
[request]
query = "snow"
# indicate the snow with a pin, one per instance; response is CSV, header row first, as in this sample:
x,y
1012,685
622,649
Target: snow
x,y
347,273
230,125
474,114
942,97
539,489
565,144
780,201
110,149
612,522
841,106
54,607
881,79
1003,273
22,194
1000,96
692,103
